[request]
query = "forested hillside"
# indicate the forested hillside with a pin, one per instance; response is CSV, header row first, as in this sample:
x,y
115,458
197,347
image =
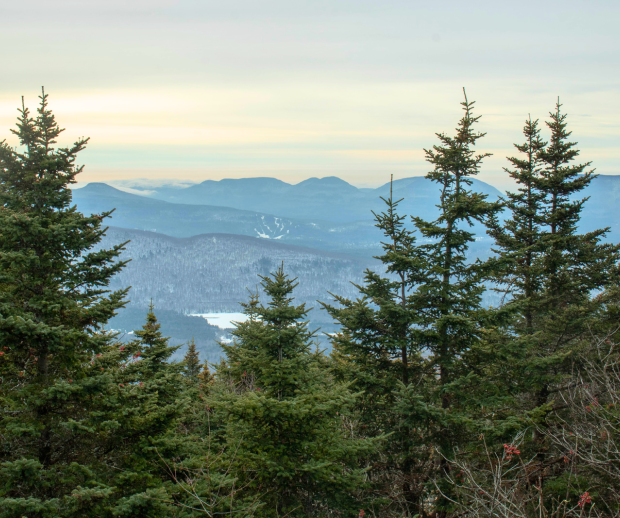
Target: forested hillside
x,y
213,272
431,404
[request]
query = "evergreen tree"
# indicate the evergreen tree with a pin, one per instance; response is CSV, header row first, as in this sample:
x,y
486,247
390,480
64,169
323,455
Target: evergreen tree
x,y
553,271
449,303
519,238
283,412
148,405
431,307
153,346
87,424
205,377
192,361
558,280
378,351
575,265
53,305
560,179
518,274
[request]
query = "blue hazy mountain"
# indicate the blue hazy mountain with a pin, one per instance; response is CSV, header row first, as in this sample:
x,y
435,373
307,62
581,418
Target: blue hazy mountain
x,y
330,213
354,232
212,273
327,198
184,220
602,209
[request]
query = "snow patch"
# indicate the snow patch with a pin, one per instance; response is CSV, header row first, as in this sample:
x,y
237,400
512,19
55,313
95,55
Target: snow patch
x,y
222,320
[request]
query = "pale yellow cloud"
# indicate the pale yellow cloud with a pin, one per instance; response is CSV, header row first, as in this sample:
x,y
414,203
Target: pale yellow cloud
x,y
385,156
295,130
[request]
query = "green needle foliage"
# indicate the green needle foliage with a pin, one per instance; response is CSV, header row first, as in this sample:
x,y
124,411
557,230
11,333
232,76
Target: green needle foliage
x,y
148,404
448,300
379,352
192,362
87,424
551,272
576,265
518,238
53,304
557,279
411,341
284,413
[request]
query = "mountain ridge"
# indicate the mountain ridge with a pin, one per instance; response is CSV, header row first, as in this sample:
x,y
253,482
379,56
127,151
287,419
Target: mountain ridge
x,y
184,220
357,235
330,197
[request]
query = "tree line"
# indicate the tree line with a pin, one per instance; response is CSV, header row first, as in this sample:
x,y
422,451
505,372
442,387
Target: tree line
x,y
430,404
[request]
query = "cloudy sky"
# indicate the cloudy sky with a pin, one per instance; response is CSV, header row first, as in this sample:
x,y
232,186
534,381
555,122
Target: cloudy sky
x,y
204,89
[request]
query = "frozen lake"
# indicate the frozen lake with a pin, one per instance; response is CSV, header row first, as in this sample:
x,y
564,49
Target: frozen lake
x,y
222,320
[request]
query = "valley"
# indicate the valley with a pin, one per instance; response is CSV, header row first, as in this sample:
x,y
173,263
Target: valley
x,y
190,257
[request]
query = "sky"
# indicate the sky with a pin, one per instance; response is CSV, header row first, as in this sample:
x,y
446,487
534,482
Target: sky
x,y
194,90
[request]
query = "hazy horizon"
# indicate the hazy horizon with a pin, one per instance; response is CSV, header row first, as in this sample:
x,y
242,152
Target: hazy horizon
x,y
291,90
140,185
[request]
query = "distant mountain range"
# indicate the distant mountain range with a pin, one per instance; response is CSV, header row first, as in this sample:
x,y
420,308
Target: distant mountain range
x,y
357,235
327,213
198,249
329,198
181,220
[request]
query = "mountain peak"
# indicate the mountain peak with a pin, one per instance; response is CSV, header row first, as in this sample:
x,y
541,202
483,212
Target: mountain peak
x,y
328,183
326,180
99,188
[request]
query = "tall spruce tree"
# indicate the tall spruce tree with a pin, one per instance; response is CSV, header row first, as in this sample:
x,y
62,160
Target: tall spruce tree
x,y
86,422
558,279
520,273
575,265
378,351
283,412
551,269
53,305
449,301
431,304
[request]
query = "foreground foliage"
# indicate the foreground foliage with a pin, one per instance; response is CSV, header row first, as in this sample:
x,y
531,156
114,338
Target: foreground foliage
x,y
431,404
284,414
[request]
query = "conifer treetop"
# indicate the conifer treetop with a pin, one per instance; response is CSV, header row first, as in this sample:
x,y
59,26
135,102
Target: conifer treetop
x,y
454,157
154,346
45,172
192,361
